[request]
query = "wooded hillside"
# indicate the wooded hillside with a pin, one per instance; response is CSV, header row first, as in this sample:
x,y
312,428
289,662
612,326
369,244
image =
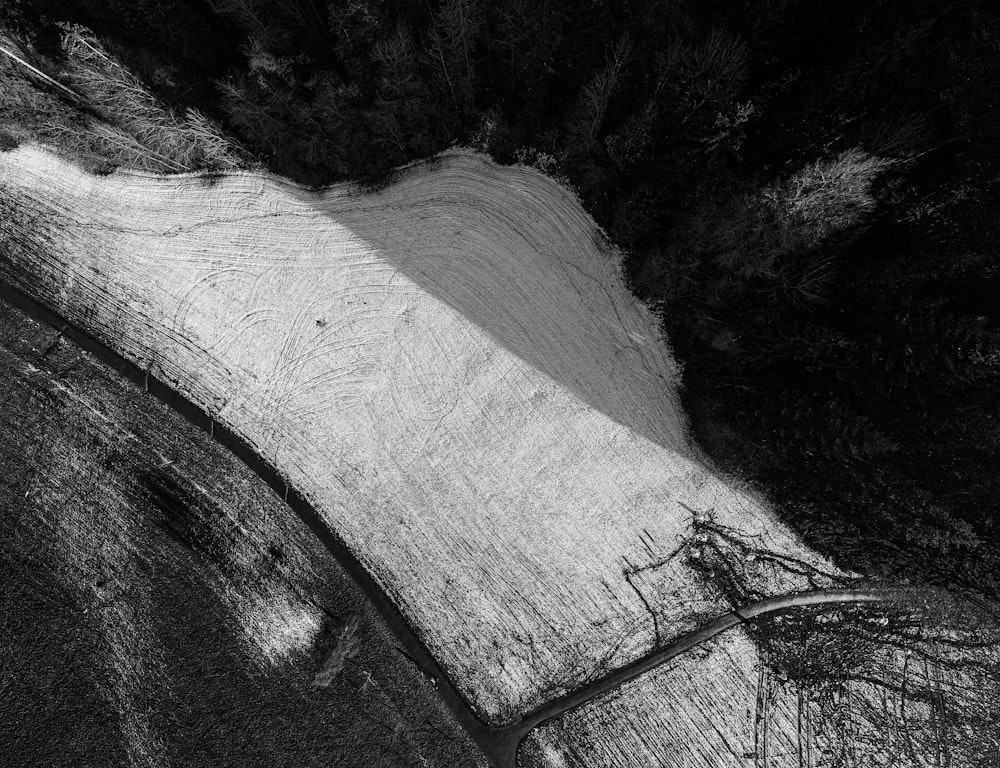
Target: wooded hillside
x,y
807,189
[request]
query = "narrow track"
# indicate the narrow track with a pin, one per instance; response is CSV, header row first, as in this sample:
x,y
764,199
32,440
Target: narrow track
x,y
499,745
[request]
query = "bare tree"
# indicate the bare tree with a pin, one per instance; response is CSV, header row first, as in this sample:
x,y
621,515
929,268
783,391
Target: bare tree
x,y
587,117
453,38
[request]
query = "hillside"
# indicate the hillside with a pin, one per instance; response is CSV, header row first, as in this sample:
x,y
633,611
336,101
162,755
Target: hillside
x,y
161,606
405,356
455,372
451,370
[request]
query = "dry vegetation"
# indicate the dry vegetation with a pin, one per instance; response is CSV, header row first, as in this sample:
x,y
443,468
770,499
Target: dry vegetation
x,y
758,235
163,607
429,308
474,401
912,686
136,131
345,648
98,113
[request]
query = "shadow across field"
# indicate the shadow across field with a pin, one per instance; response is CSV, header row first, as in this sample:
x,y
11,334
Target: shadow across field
x,y
515,254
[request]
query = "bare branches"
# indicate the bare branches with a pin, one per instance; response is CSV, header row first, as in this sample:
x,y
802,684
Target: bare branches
x,y
588,116
136,131
932,693
39,73
452,42
344,650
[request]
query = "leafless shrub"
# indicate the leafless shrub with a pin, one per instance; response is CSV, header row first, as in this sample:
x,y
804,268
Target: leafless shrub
x,y
344,650
825,197
902,138
219,150
915,685
775,233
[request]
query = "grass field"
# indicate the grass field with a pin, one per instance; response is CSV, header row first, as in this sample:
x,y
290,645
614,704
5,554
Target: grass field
x,y
161,606
451,369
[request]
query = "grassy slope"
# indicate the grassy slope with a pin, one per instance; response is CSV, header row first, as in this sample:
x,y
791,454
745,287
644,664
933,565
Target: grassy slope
x,y
450,369
173,615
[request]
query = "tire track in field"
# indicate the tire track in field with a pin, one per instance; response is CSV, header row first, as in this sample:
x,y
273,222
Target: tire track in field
x,y
499,530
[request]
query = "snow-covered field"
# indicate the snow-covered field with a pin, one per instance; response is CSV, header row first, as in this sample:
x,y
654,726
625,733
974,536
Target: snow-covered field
x,y
451,370
881,699
714,707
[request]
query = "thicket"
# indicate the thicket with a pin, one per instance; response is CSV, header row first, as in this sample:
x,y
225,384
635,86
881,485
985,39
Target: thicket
x,y
131,128
101,115
807,189
914,687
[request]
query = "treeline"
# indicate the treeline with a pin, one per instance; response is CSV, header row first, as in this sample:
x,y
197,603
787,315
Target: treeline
x,y
353,88
807,190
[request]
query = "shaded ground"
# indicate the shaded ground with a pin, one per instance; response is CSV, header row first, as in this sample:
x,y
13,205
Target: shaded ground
x,y
163,607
